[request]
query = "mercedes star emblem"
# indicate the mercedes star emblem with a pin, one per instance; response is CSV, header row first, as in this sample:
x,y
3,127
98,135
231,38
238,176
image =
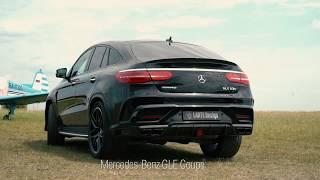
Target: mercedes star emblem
x,y
201,79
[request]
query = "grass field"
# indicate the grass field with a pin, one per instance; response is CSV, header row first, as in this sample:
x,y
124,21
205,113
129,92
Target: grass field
x,y
285,145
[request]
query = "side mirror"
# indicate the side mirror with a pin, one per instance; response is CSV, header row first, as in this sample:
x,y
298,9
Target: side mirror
x,y
61,73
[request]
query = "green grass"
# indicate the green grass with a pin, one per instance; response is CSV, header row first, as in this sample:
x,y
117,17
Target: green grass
x,y
285,145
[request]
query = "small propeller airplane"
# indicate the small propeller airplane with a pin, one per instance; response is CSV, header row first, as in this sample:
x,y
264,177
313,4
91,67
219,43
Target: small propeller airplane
x,y
13,94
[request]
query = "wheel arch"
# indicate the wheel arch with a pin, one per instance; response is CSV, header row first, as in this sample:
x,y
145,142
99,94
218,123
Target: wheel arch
x,y
48,103
99,97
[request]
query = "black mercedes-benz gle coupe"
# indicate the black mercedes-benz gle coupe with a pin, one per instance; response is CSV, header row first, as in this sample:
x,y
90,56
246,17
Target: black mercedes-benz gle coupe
x,y
119,92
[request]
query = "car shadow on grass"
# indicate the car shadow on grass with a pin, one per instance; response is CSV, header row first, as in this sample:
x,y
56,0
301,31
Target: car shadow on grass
x,y
77,150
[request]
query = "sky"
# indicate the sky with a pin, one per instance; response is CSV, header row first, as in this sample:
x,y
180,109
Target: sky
x,y
276,42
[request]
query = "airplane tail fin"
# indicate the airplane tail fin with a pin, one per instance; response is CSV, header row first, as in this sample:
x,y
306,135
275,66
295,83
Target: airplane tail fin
x,y
40,82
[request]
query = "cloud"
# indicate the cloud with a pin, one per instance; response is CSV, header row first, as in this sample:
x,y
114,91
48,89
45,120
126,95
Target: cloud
x,y
302,4
180,22
124,5
105,5
316,24
223,4
233,3
134,5
312,4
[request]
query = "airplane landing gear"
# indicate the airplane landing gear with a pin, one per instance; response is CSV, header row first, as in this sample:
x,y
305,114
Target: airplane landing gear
x,y
7,117
10,115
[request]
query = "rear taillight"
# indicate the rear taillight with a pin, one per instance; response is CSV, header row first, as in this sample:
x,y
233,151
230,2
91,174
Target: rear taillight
x,y
238,78
133,76
142,76
160,75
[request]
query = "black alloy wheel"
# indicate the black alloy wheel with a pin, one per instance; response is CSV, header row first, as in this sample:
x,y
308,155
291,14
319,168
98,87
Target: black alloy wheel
x,y
96,130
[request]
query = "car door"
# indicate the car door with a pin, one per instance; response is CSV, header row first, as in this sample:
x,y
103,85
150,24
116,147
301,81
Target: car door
x,y
67,102
85,85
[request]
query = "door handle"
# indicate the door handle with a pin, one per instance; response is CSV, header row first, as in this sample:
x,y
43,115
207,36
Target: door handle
x,y
93,79
75,81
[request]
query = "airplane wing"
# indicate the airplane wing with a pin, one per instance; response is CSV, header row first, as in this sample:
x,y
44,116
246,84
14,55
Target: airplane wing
x,y
24,99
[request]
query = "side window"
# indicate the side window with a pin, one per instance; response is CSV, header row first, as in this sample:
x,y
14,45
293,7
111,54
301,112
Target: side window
x,y
105,58
80,66
96,58
114,57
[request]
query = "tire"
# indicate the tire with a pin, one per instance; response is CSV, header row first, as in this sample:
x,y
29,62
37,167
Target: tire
x,y
100,140
226,147
53,136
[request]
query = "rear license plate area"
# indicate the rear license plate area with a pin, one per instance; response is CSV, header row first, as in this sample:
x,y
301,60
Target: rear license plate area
x,y
201,115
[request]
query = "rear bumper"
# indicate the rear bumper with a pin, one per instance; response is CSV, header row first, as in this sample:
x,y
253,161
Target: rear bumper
x,y
183,132
171,126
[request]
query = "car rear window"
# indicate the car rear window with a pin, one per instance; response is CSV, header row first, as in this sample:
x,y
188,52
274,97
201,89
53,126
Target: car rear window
x,y
146,51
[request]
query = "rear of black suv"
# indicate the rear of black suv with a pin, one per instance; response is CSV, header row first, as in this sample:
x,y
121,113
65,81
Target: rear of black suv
x,y
187,100
151,91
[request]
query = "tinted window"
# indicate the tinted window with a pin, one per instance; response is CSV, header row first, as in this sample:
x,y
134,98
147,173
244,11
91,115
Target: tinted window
x,y
114,57
146,51
105,58
96,58
80,66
